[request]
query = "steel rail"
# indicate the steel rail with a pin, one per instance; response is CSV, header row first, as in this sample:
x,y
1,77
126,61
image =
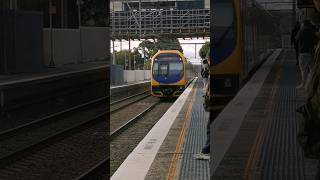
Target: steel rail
x,y
12,156
42,120
128,104
130,122
96,172
126,98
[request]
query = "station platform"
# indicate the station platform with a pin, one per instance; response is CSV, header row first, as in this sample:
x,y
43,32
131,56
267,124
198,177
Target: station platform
x,y
255,136
167,151
129,84
125,90
46,73
28,96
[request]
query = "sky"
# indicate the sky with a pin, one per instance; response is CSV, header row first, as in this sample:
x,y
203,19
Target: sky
x,y
188,49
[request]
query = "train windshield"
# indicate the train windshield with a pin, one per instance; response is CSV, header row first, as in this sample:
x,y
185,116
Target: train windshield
x,y
223,30
168,66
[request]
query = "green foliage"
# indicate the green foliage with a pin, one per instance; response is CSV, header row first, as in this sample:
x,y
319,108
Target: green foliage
x,y
93,12
147,65
122,58
165,43
204,50
148,48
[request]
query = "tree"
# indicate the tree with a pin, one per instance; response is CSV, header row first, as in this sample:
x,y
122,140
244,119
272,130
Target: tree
x,y
147,65
122,58
148,48
204,50
137,57
165,43
94,12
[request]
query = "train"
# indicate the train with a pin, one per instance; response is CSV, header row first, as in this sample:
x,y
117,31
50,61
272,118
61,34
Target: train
x,y
171,73
242,36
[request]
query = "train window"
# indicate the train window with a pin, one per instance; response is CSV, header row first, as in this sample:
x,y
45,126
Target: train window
x,y
168,65
224,34
164,70
176,68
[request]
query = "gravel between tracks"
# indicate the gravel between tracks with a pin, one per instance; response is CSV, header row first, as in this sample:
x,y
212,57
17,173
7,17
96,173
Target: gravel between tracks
x,y
64,159
35,134
125,103
122,116
123,145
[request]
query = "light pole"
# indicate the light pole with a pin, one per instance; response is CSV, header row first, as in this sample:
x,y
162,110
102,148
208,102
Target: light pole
x,y
293,12
51,63
134,62
79,3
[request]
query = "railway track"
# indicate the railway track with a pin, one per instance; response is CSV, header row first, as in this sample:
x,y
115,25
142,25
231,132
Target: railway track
x,y
125,137
125,102
19,143
97,172
131,121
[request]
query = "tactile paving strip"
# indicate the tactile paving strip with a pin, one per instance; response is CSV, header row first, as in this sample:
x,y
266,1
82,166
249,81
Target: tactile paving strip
x,y
266,146
282,157
192,169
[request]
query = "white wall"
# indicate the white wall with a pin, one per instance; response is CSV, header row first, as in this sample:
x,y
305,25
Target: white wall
x,y
67,47
135,76
94,42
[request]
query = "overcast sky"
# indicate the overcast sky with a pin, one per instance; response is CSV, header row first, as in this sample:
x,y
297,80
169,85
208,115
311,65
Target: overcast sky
x,y
188,49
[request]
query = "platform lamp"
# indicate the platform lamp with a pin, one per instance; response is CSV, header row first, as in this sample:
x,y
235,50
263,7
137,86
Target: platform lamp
x,y
51,11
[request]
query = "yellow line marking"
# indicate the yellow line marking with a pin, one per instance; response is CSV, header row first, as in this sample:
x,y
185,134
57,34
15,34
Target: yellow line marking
x,y
174,161
250,170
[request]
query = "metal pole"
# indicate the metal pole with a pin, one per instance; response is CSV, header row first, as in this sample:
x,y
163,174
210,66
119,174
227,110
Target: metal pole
x,y
13,4
140,23
144,59
293,12
62,13
113,53
195,51
125,60
80,34
51,63
134,62
129,55
120,44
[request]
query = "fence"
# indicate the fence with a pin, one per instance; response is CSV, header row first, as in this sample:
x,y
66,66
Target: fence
x,y
136,75
119,76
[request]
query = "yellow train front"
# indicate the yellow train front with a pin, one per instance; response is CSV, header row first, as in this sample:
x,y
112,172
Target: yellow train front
x,y
170,73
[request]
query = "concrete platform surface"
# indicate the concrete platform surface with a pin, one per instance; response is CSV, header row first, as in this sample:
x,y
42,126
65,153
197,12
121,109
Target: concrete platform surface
x,y
255,136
